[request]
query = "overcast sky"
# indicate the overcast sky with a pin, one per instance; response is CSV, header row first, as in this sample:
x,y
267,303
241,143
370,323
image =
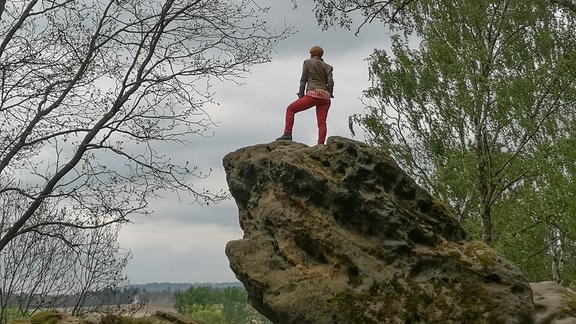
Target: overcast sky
x,y
181,242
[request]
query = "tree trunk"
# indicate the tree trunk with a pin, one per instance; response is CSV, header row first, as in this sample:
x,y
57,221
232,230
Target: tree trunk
x,y
557,254
484,185
486,222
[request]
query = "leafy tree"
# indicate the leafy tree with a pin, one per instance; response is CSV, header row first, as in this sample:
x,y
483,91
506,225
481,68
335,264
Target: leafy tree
x,y
209,313
217,305
479,96
400,14
535,224
473,99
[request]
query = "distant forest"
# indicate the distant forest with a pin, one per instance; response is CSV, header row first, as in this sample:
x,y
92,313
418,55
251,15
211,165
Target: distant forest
x,y
170,286
156,293
150,293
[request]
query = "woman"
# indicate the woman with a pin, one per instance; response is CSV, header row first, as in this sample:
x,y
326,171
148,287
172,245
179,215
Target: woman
x,y
319,84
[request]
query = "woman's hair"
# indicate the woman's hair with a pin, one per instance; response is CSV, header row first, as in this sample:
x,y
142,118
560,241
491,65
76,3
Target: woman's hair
x,y
316,51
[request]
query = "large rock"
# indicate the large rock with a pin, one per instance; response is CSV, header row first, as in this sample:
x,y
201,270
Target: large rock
x,y
554,303
340,234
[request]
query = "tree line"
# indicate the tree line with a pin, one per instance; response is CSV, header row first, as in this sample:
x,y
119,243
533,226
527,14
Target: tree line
x,y
217,305
204,302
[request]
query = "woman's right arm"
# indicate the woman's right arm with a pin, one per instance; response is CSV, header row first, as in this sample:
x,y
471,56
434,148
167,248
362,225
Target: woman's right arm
x,y
303,80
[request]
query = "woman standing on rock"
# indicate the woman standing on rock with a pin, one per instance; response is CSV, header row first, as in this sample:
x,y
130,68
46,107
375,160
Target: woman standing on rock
x,y
319,84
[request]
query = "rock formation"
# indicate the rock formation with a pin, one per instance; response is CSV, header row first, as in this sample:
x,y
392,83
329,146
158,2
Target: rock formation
x,y
340,234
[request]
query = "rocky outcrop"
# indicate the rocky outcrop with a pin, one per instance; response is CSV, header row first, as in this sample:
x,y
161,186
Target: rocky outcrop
x,y
340,234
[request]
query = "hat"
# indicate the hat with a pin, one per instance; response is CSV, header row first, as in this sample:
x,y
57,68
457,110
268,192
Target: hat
x,y
316,51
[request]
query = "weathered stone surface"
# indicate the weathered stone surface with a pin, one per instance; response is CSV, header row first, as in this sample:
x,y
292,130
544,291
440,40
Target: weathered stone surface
x,y
554,303
339,234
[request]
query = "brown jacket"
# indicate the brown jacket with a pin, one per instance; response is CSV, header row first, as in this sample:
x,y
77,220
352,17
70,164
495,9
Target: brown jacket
x,y
316,75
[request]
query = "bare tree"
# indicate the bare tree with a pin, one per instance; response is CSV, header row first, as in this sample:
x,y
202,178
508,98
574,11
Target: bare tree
x,y
98,266
91,94
62,266
91,90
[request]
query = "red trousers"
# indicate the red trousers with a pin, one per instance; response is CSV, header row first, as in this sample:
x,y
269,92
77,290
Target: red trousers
x,y
306,102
